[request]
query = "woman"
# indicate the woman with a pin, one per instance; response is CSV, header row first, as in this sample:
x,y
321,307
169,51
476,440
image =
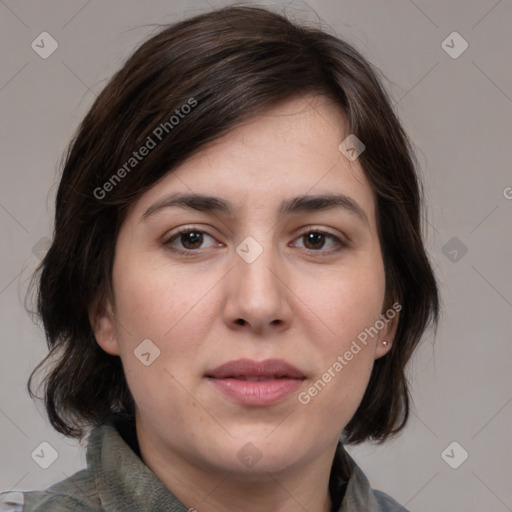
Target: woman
x,y
237,276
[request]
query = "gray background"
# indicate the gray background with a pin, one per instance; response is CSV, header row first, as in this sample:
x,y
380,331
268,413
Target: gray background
x,y
458,113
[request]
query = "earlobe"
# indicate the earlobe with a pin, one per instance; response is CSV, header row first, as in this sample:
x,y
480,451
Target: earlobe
x,y
383,347
103,326
386,338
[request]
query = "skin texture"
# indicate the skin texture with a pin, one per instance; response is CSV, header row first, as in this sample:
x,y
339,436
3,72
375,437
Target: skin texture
x,y
301,302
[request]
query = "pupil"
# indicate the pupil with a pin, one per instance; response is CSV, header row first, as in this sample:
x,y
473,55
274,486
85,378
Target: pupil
x,y
192,238
315,239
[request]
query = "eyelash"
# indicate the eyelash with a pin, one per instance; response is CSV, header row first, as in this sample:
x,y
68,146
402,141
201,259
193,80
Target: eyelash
x,y
192,229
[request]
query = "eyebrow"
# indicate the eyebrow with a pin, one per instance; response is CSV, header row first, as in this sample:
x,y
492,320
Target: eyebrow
x,y
298,204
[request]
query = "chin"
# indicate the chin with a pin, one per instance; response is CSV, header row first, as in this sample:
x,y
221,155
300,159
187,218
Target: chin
x,y
252,457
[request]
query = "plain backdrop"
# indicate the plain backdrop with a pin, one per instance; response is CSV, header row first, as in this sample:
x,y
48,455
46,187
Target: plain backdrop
x,y
456,104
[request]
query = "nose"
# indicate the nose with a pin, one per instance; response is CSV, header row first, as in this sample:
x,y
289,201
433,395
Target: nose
x,y
258,297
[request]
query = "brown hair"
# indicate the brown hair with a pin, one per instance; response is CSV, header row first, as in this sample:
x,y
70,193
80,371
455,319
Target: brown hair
x,y
228,64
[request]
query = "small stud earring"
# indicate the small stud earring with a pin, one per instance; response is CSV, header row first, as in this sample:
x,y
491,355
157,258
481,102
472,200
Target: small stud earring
x,y
385,343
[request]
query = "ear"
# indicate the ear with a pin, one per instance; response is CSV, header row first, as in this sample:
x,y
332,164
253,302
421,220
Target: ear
x,y
103,325
387,333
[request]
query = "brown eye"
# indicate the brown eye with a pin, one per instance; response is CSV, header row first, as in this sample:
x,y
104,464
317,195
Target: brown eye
x,y
320,241
189,240
314,240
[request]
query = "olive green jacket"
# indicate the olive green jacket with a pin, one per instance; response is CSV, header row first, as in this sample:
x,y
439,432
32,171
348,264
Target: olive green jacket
x,y
117,480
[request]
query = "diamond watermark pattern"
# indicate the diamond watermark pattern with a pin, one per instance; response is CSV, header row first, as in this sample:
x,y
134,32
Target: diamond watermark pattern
x,y
11,500
146,352
41,247
44,45
454,249
454,455
454,45
249,455
249,250
351,147
44,455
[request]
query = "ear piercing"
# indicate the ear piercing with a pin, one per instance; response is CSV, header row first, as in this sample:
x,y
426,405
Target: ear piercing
x,y
385,343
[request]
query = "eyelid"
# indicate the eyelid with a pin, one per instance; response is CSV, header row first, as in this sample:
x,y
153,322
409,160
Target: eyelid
x,y
324,231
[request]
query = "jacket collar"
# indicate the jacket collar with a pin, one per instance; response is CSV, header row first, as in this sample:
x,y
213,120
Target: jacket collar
x,y
124,482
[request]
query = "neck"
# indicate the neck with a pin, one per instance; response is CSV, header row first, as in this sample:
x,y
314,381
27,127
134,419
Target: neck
x,y
202,490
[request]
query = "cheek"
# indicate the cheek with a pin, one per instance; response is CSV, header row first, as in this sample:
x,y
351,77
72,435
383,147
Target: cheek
x,y
155,298
346,303
173,309
174,312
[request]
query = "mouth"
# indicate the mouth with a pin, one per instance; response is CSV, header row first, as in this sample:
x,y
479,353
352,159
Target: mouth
x,y
256,383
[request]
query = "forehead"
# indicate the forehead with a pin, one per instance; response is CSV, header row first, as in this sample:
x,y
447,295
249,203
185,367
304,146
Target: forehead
x,y
287,151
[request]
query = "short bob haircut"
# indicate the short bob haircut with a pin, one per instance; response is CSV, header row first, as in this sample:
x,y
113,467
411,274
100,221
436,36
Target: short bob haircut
x,y
228,65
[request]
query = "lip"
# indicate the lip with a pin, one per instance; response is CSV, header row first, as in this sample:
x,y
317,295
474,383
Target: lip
x,y
257,383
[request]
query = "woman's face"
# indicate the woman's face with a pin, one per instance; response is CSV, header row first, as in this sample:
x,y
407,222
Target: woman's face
x,y
278,276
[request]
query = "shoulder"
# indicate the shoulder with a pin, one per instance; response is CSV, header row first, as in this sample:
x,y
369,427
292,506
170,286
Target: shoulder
x,y
387,503
360,497
80,492
76,493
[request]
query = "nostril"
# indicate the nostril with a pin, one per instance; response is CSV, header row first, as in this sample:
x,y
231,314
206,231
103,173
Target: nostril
x,y
240,321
